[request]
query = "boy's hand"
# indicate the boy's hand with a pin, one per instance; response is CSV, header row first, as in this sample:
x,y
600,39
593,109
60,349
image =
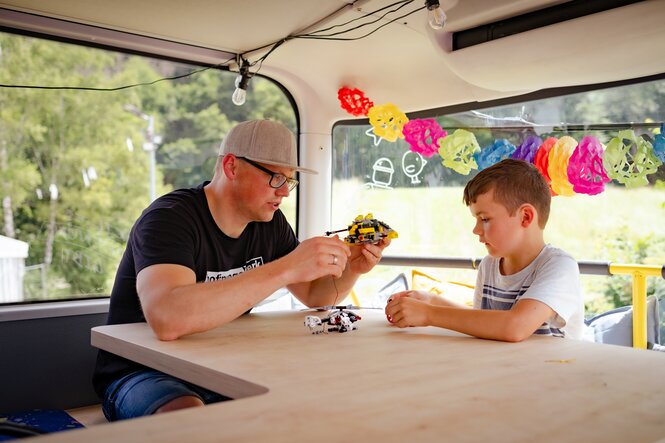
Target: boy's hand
x,y
409,308
425,296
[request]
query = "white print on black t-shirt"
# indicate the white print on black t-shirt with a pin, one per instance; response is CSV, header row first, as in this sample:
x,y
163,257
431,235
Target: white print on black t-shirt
x,y
221,275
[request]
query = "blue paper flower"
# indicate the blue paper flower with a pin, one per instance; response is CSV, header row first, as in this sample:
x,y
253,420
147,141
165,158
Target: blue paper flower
x,y
501,149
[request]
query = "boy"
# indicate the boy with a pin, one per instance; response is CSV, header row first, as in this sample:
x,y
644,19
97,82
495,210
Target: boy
x,y
524,286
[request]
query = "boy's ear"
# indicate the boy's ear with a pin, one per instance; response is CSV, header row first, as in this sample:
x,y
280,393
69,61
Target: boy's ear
x,y
527,215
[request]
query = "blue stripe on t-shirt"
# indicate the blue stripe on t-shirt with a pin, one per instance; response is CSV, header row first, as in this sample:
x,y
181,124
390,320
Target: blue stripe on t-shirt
x,y
500,299
503,300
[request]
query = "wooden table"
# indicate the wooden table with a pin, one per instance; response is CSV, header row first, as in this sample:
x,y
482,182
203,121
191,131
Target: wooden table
x,y
381,383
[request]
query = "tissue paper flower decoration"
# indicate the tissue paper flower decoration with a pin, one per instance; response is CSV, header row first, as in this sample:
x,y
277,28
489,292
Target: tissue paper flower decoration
x,y
354,101
387,121
527,150
557,165
629,159
457,151
585,167
423,136
659,144
543,157
494,153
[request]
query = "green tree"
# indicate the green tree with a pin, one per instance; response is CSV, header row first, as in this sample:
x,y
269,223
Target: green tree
x,y
621,247
66,166
69,185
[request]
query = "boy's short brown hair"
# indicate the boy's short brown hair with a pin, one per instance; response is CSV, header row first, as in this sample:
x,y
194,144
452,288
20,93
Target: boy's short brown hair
x,y
515,182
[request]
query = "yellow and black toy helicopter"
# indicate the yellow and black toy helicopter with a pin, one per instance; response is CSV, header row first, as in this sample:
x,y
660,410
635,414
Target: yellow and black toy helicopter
x,y
366,229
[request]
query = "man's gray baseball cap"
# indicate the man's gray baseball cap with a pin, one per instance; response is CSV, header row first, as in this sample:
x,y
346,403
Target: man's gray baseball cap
x,y
263,141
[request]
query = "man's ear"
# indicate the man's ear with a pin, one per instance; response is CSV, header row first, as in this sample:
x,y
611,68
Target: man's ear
x,y
230,166
528,215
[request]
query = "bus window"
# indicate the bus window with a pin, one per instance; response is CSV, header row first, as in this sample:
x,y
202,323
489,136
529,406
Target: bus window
x,y
422,199
78,166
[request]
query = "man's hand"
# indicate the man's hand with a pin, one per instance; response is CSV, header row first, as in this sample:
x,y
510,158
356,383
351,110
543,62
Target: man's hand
x,y
312,263
364,257
318,257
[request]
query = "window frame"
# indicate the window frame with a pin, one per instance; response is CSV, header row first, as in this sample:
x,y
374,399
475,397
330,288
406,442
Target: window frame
x,y
32,25
587,267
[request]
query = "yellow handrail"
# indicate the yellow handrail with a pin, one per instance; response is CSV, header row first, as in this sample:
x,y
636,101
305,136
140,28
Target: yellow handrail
x,y
639,274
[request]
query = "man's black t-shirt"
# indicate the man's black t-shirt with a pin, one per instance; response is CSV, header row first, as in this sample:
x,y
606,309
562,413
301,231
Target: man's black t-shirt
x,y
178,229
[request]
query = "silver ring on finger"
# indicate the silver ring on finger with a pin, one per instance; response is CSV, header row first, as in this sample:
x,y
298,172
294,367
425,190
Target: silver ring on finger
x,y
334,259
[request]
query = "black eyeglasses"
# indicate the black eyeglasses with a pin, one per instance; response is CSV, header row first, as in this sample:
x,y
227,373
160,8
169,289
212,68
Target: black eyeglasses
x,y
277,180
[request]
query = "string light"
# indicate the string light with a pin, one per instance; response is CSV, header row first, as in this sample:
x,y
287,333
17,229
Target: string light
x,y
242,81
244,75
435,14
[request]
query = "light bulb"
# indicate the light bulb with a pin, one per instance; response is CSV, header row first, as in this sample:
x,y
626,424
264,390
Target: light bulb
x,y
435,15
238,97
242,80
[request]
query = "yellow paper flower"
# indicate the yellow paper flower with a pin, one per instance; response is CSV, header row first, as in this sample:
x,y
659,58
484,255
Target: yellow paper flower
x,y
557,166
387,121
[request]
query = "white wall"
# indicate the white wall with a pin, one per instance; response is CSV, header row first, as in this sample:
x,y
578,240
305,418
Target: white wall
x,y
12,269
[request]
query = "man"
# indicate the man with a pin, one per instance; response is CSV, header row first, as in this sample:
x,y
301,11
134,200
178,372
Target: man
x,y
198,258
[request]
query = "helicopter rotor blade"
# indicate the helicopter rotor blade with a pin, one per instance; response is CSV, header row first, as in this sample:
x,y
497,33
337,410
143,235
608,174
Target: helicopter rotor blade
x,y
321,308
335,232
331,307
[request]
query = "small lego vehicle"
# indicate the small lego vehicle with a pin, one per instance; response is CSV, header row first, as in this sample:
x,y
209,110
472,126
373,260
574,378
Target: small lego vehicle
x,y
339,319
342,321
366,229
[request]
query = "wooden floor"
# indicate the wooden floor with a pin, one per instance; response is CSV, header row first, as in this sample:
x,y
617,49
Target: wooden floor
x,y
89,415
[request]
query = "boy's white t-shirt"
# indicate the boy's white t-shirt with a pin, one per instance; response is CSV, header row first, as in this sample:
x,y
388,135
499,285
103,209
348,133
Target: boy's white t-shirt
x,y
552,278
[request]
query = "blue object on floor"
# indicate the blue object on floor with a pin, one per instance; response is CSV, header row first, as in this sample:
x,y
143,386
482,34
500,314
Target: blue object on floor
x,y
16,425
